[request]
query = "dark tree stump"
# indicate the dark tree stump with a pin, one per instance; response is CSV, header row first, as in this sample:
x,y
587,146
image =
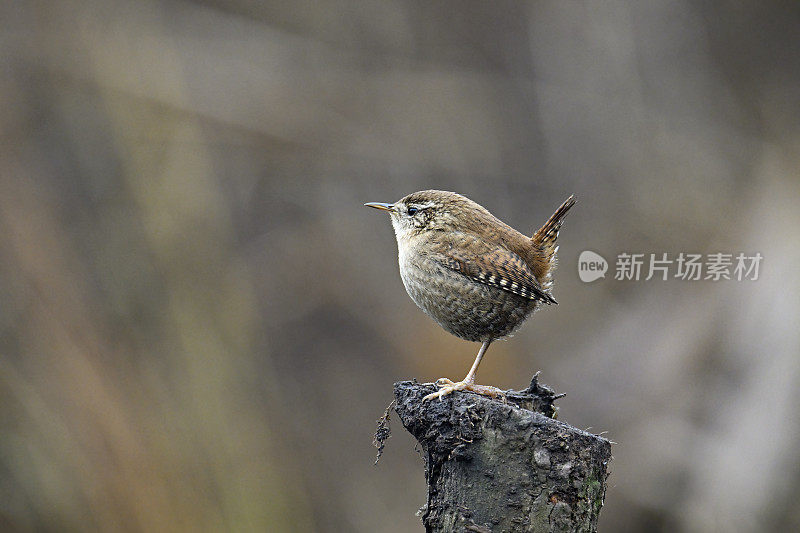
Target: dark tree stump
x,y
504,467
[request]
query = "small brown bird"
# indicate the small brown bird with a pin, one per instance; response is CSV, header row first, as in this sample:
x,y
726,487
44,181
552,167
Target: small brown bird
x,y
476,276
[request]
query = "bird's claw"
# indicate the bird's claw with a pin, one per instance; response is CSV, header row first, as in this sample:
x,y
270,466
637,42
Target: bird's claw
x,y
447,386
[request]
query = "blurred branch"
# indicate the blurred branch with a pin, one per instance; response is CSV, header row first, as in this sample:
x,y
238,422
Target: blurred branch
x,y
495,466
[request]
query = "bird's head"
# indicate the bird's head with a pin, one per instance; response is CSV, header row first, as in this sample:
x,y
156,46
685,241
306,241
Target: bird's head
x,y
432,210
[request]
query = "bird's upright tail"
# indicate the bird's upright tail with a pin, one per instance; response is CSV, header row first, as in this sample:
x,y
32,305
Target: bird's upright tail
x,y
545,239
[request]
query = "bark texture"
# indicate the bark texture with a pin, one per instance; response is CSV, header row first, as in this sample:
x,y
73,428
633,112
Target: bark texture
x,y
504,467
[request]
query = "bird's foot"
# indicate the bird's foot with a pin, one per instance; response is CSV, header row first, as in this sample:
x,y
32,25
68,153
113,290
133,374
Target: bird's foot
x,y
446,387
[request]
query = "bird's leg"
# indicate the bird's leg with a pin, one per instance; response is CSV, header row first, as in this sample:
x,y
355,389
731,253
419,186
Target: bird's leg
x,y
468,383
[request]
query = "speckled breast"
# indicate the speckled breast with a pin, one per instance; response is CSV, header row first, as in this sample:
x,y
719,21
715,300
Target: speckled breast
x,y
465,308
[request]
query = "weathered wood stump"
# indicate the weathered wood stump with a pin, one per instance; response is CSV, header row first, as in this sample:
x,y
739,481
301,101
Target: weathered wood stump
x,y
504,467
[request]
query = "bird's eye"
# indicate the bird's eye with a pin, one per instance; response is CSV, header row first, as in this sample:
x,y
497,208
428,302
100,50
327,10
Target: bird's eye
x,y
412,211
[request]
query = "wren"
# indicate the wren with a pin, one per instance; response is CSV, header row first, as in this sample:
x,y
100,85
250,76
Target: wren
x,y
476,276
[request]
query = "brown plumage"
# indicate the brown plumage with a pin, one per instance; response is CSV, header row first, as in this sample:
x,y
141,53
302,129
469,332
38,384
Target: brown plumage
x,y
545,240
476,276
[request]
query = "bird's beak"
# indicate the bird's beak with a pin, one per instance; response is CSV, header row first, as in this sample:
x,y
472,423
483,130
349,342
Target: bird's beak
x,y
381,205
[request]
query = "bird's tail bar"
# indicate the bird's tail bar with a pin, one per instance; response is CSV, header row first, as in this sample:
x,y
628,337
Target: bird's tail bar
x,y
546,236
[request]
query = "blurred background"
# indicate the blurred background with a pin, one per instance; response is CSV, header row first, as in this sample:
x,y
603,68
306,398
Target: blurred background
x,y
200,323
